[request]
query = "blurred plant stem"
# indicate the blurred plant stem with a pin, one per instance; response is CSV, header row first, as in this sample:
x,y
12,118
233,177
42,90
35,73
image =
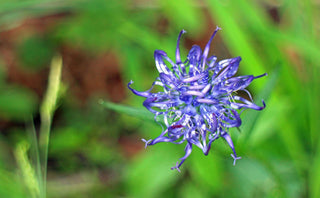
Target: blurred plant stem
x,y
28,172
47,109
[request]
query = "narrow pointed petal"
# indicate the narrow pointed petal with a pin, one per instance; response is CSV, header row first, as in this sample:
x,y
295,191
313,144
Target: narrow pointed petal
x,y
178,58
238,83
206,49
194,58
139,93
262,75
229,68
246,104
168,80
162,139
188,150
227,137
211,61
211,140
233,119
160,64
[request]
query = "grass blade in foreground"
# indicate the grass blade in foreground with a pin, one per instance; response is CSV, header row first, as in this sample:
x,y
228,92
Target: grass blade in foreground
x,y
47,109
252,116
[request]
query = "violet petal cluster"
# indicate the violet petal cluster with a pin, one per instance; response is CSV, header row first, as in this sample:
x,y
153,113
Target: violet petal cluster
x,y
199,101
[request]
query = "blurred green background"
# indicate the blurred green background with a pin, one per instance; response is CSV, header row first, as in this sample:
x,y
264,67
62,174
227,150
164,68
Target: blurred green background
x,y
95,149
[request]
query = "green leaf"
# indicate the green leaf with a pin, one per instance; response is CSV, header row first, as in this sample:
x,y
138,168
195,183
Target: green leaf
x,y
236,38
135,112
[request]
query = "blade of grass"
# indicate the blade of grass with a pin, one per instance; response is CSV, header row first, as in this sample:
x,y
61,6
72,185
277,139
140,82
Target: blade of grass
x,y
26,168
176,11
135,112
147,38
236,38
315,175
254,13
253,116
305,46
314,113
34,154
13,12
47,109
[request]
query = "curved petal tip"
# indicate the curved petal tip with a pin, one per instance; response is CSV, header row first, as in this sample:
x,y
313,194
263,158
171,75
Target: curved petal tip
x,y
235,158
176,167
146,142
265,74
160,52
264,104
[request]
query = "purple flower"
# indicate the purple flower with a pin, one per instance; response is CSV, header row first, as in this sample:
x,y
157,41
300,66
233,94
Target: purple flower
x,y
199,101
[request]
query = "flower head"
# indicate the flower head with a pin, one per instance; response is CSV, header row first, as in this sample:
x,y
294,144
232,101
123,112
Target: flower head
x,y
199,101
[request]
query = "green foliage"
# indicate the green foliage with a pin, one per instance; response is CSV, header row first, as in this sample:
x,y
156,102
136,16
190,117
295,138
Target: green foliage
x,y
95,148
11,185
97,25
184,10
17,103
207,181
28,173
36,52
148,175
